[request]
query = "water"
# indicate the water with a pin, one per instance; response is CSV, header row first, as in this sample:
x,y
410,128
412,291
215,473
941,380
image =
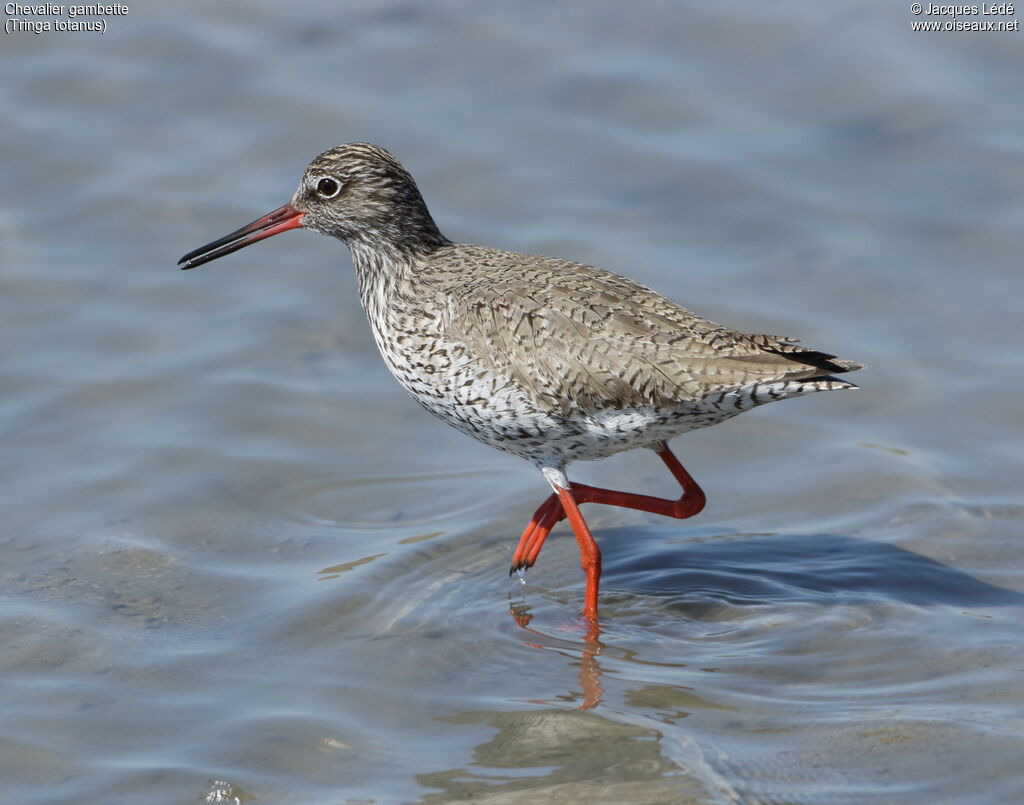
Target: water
x,y
239,565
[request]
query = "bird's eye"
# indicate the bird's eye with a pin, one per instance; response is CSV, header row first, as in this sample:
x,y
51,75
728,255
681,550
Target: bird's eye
x,y
327,187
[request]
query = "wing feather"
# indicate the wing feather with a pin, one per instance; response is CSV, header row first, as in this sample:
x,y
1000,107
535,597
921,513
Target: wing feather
x,y
576,336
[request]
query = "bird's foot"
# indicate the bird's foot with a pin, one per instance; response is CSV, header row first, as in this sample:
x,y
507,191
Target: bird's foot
x,y
544,519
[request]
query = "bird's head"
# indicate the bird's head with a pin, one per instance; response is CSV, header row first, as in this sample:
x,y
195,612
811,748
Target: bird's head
x,y
354,192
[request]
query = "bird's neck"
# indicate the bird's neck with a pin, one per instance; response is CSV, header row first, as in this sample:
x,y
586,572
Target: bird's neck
x,y
386,272
385,256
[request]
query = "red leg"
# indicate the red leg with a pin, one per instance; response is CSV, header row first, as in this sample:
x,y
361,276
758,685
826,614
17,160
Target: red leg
x,y
590,554
544,519
689,503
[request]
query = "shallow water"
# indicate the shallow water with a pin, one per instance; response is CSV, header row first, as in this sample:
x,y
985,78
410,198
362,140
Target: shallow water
x,y
239,565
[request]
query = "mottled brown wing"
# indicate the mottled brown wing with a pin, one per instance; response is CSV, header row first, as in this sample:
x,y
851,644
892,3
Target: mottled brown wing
x,y
578,336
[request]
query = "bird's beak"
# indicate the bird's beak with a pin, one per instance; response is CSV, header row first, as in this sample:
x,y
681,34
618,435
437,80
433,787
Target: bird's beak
x,y
280,220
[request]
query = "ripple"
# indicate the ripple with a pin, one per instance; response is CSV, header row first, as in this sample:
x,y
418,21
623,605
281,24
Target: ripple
x,y
350,501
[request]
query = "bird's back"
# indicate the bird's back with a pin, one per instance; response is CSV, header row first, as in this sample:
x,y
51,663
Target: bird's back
x,y
582,338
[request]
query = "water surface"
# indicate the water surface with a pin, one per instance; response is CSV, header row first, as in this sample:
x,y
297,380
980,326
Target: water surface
x,y
239,565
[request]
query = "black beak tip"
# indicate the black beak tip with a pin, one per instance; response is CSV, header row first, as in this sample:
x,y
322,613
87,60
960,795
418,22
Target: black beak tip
x,y
280,220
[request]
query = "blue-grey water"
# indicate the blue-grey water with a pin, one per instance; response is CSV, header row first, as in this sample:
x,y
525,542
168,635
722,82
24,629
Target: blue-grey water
x,y
238,564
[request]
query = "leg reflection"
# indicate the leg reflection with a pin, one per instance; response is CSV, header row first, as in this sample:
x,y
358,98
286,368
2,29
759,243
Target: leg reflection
x,y
590,668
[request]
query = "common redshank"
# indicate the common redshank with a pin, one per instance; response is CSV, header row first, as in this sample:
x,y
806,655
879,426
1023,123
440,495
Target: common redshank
x,y
542,358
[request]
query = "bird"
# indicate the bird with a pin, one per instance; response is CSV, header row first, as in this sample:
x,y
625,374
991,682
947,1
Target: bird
x,y
546,359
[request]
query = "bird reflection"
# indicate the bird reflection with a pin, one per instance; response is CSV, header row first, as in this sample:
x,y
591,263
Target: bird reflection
x,y
590,668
